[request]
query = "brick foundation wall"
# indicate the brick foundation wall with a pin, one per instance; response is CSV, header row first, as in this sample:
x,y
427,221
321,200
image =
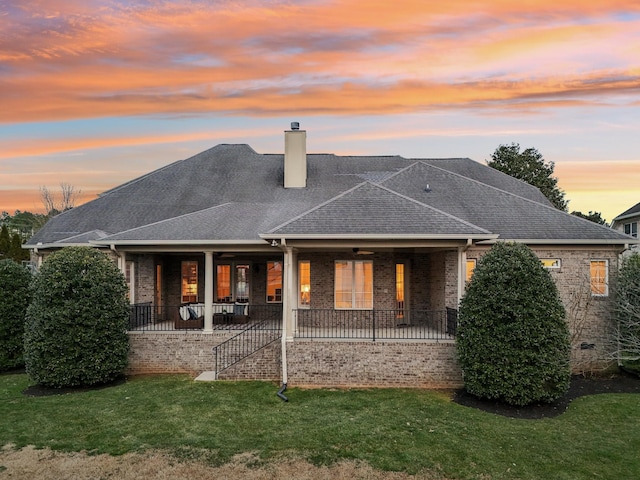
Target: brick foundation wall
x,y
373,364
169,352
265,364
310,363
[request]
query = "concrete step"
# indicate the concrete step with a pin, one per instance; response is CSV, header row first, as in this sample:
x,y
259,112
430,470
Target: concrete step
x,y
206,377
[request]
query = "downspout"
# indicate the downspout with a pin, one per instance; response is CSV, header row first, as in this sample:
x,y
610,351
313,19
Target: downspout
x,y
121,264
285,317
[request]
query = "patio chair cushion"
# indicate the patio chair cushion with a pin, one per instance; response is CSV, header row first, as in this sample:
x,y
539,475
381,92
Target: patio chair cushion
x,y
185,314
239,309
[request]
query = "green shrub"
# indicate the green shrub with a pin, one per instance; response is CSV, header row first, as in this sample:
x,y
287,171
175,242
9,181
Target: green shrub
x,y
15,296
76,324
513,342
628,312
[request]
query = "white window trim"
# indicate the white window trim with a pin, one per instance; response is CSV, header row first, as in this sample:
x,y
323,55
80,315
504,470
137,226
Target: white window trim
x,y
300,304
557,263
234,280
270,302
606,278
335,296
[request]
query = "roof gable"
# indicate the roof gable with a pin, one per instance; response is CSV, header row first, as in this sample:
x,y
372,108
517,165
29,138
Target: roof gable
x,y
369,209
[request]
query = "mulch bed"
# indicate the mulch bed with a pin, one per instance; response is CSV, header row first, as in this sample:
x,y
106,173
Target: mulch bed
x,y
42,391
619,382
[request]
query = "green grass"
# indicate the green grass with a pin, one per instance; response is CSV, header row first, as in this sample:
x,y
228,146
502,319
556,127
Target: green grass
x,y
391,429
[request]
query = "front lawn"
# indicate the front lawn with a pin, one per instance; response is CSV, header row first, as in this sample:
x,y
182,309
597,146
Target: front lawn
x,y
391,429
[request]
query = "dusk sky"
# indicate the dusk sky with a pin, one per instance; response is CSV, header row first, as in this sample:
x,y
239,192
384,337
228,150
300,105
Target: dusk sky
x,y
94,93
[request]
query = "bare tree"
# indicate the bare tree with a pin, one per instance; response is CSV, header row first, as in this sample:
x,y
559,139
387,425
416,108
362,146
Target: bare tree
x,y
68,197
47,198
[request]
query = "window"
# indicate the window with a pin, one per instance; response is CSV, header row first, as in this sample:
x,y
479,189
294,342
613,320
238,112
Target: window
x,y
599,274
129,274
551,263
223,283
304,279
189,282
400,286
471,266
631,229
242,283
354,284
274,282
230,289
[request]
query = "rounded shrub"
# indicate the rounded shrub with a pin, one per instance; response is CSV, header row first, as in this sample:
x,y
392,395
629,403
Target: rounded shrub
x,y
513,340
15,296
76,327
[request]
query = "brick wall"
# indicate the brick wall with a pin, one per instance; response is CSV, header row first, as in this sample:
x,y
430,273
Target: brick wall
x,y
589,318
416,364
373,364
172,352
310,363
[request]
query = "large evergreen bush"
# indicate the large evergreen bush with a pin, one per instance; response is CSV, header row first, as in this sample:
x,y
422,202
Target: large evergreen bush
x,y
628,313
513,340
76,324
15,296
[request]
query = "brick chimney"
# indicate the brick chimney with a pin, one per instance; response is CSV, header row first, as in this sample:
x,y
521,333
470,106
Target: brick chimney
x,y
295,157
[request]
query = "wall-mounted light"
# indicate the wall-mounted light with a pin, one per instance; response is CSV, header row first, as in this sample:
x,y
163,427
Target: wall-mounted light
x,y
357,251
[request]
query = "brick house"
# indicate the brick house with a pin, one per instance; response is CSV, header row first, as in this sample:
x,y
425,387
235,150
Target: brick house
x,y
317,269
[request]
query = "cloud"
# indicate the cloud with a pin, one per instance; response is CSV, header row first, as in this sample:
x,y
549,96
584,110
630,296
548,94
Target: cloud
x,y
106,58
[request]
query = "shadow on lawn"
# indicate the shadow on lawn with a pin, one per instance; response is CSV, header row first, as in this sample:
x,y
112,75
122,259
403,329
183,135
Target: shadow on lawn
x,y
618,382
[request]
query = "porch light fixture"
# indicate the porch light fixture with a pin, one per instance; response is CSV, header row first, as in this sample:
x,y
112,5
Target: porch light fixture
x,y
274,243
357,251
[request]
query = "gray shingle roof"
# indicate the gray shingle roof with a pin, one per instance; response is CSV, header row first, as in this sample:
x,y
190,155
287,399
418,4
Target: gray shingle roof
x,y
231,193
369,209
630,212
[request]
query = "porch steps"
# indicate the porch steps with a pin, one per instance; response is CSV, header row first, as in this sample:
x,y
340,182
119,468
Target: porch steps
x,y
206,377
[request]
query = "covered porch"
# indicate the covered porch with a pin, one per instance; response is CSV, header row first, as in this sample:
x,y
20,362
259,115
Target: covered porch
x,y
335,290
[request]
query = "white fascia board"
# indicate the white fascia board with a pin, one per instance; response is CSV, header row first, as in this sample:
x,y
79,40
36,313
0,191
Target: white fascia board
x,y
43,246
154,243
390,236
628,216
564,241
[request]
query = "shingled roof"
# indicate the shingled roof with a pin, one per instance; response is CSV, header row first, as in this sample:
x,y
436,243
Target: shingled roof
x,y
232,194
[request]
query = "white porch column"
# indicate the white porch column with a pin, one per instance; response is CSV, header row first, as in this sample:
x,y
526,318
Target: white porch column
x,y
208,292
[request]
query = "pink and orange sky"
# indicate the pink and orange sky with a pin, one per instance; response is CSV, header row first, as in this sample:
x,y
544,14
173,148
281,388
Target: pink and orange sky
x,y
96,92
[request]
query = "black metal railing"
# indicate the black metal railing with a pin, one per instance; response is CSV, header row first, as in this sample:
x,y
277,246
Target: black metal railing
x,y
140,316
377,324
147,317
249,341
